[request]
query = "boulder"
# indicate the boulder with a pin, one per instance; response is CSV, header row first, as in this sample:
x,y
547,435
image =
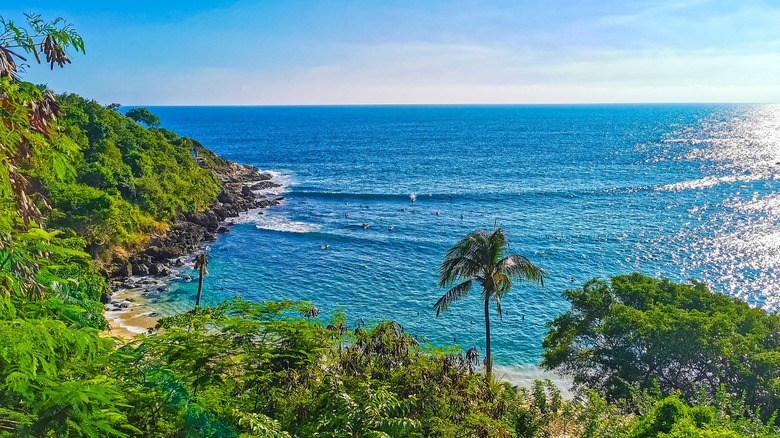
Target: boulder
x,y
140,269
264,185
153,251
169,252
123,269
224,197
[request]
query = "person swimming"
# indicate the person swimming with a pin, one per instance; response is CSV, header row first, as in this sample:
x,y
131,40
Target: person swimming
x,y
346,214
325,246
365,226
391,227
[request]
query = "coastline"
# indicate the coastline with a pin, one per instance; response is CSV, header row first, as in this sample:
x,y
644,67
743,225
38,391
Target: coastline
x,y
136,279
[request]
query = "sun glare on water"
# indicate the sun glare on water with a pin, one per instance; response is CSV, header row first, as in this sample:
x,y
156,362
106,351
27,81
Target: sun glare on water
x,y
739,246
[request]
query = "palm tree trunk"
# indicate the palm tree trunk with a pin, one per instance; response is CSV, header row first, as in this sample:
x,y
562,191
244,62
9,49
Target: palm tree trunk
x,y
200,286
488,356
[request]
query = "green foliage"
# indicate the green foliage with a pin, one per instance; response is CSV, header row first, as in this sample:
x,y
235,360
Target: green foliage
x,y
127,179
143,115
240,368
640,332
37,37
50,369
52,360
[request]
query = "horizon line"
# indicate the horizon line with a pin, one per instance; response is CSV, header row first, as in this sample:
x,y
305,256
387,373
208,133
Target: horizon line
x,y
443,104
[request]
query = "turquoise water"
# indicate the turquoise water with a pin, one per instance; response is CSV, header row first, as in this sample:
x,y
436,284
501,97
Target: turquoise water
x,y
584,191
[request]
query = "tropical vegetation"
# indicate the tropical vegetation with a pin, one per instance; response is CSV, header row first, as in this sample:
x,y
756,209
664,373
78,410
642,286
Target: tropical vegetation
x,y
82,185
636,332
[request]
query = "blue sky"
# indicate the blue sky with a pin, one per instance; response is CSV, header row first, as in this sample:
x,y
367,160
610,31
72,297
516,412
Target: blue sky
x,y
385,52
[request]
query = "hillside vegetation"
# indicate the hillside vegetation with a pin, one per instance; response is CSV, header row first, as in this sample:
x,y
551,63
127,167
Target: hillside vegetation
x,y
126,181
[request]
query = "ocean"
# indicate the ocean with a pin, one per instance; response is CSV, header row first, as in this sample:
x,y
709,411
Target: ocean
x,y
681,191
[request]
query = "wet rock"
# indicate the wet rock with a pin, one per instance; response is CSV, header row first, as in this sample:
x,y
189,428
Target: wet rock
x,y
223,229
140,269
123,269
153,251
221,212
169,252
265,185
224,198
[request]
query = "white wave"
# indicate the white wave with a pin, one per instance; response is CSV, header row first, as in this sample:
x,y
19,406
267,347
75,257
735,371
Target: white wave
x,y
288,227
254,215
265,219
284,180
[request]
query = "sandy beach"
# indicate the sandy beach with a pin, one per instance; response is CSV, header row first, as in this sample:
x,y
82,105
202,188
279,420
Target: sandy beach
x,y
132,320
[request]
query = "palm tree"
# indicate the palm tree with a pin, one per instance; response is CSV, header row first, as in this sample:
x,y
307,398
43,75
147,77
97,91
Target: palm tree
x,y
480,257
201,263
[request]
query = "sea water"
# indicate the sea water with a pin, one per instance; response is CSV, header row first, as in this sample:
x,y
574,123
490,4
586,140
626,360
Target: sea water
x,y
682,191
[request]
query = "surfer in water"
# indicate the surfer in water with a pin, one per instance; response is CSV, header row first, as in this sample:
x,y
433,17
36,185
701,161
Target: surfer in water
x,y
365,226
325,246
391,227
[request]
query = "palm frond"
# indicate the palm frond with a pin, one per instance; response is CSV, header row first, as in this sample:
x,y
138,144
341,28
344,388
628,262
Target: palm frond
x,y
503,282
464,260
496,242
452,295
518,266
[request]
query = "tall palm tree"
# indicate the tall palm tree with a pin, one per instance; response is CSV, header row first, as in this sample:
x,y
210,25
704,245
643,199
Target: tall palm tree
x,y
201,263
479,257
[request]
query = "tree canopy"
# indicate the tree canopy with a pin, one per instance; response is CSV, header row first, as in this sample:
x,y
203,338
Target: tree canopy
x,y
635,331
143,115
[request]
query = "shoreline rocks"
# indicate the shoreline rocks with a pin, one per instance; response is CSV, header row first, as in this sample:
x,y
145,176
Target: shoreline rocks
x,y
242,192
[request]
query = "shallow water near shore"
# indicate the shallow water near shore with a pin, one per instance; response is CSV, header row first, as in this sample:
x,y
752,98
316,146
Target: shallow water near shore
x,y
584,191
